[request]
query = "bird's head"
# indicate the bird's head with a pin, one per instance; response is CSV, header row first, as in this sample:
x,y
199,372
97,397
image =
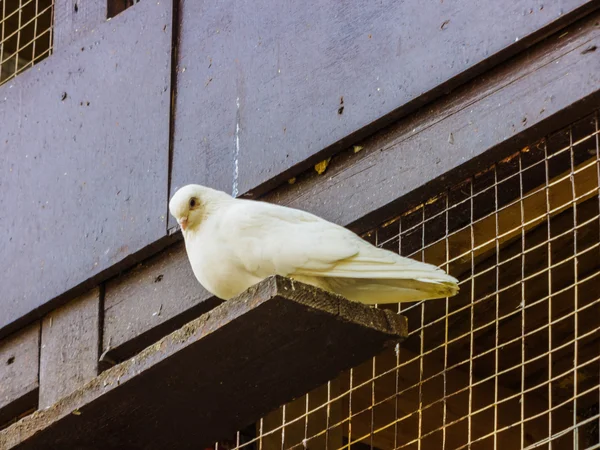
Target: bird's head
x,y
191,204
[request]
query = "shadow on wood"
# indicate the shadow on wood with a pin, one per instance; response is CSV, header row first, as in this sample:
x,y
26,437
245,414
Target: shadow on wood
x,y
218,373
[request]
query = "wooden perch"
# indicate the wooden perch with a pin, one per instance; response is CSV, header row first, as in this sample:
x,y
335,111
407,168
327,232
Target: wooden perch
x,y
218,373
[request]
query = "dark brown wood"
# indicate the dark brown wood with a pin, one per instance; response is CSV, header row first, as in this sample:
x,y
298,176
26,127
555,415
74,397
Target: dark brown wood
x,y
548,87
266,89
70,346
75,18
19,364
150,301
115,7
85,161
217,373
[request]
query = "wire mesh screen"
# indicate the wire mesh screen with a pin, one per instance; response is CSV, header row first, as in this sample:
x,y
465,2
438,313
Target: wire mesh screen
x,y
513,361
25,35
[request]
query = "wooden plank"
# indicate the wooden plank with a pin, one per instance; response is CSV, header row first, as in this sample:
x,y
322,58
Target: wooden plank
x,y
70,345
85,140
19,367
551,85
135,319
260,74
75,18
216,374
152,300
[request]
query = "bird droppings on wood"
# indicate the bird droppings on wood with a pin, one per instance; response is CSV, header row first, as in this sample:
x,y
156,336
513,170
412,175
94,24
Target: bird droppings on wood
x,y
157,313
321,167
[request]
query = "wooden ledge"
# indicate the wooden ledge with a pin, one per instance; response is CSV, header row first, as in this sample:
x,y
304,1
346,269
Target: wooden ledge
x,y
216,374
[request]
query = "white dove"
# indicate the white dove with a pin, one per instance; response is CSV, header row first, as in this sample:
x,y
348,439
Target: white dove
x,y
233,244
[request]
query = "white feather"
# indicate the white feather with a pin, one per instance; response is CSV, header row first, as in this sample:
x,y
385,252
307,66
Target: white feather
x,y
233,244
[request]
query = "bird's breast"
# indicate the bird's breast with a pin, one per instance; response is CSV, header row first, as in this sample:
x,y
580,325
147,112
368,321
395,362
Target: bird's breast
x,y
218,270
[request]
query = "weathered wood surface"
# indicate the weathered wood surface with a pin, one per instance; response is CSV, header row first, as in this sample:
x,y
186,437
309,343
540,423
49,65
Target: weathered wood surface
x,y
132,144
220,372
19,367
75,18
265,88
84,161
350,190
549,86
70,346
150,301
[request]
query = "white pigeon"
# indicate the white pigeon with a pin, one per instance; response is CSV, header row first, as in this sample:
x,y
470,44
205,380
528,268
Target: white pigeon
x,y
233,244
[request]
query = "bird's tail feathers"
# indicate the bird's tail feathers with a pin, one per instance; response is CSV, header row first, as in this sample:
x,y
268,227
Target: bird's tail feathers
x,y
382,291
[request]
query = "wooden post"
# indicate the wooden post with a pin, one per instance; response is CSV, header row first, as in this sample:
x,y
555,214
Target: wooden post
x,y
19,367
70,346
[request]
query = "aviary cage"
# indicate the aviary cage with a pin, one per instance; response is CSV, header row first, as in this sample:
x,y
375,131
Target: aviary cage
x,y
25,35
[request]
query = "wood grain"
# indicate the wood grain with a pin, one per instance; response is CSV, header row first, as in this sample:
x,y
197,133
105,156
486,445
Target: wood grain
x,y
19,367
70,346
150,301
218,373
547,87
90,190
75,18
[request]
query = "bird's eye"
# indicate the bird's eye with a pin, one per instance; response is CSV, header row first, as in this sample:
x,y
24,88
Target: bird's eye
x,y
192,202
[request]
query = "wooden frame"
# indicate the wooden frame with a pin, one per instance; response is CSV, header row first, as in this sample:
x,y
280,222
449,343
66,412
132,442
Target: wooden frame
x,y
251,351
170,117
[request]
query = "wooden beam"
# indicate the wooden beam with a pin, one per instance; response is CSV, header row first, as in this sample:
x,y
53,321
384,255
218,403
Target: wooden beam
x,y
218,373
75,18
150,301
70,345
549,86
70,99
346,70
19,367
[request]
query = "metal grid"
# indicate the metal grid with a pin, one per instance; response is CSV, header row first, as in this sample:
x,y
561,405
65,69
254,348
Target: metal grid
x,y
513,361
25,35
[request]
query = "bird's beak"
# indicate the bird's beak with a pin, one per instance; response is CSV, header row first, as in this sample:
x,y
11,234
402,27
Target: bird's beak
x,y
183,223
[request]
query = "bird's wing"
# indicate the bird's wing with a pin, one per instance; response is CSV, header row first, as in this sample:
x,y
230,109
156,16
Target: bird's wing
x,y
270,239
